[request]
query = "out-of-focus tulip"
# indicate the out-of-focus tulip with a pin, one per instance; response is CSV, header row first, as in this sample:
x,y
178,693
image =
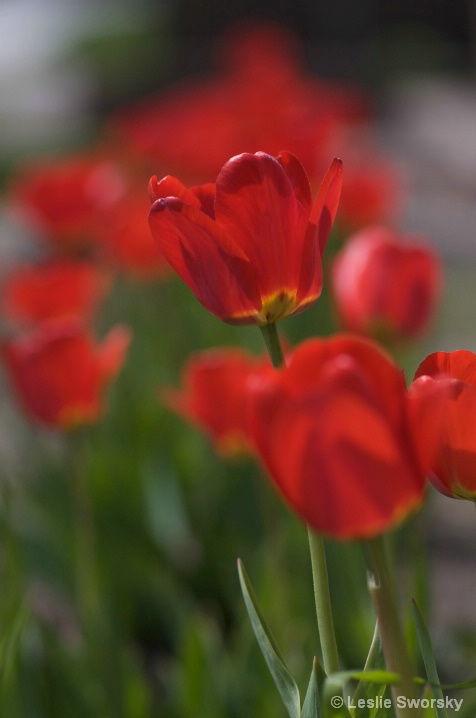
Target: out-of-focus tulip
x,y
454,469
125,240
251,246
63,197
386,285
343,439
56,288
59,374
213,395
371,193
261,98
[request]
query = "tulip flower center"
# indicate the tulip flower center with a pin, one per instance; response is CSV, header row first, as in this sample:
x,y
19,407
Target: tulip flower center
x,y
277,306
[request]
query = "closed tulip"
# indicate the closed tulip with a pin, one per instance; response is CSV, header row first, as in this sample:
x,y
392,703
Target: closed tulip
x,y
454,468
385,285
343,439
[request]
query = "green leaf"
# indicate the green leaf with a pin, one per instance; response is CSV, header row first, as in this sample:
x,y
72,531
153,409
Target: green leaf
x,y
459,686
365,690
428,656
311,707
284,681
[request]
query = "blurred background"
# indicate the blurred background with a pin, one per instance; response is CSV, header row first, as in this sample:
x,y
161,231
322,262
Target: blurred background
x,y
140,614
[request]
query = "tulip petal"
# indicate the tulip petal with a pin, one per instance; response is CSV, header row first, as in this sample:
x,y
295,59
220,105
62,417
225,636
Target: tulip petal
x,y
297,175
256,205
457,365
327,202
429,403
171,187
111,353
336,458
454,467
213,266
321,220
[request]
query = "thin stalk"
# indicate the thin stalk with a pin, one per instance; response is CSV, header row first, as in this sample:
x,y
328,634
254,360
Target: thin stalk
x,y
383,594
322,600
273,345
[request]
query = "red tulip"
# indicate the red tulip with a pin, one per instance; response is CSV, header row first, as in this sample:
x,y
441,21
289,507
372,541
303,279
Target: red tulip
x,y
454,469
342,437
125,240
64,196
261,98
59,374
56,288
386,287
213,396
251,246
371,193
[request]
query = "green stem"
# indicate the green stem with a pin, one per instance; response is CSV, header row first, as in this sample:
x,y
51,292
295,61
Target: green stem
x,y
322,600
273,345
383,594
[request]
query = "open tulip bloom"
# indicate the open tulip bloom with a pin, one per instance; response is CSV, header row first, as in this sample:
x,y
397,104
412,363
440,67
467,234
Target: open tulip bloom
x,y
250,246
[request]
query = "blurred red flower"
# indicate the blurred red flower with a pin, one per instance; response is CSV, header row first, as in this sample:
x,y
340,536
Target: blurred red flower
x,y
386,285
262,99
213,395
63,197
454,470
371,193
125,240
342,437
59,374
251,246
55,288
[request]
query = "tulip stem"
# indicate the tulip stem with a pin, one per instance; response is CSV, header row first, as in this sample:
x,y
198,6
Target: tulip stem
x,y
382,591
325,622
273,345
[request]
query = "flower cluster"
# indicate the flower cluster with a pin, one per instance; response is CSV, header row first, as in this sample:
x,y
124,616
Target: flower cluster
x,y
346,442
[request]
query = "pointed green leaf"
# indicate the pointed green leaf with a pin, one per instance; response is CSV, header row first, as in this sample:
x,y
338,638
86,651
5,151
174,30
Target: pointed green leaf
x,y
311,707
365,690
428,656
284,681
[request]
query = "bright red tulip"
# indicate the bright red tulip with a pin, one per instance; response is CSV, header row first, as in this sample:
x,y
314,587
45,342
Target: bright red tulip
x,y
59,374
454,469
385,285
342,437
251,246
213,395
55,288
